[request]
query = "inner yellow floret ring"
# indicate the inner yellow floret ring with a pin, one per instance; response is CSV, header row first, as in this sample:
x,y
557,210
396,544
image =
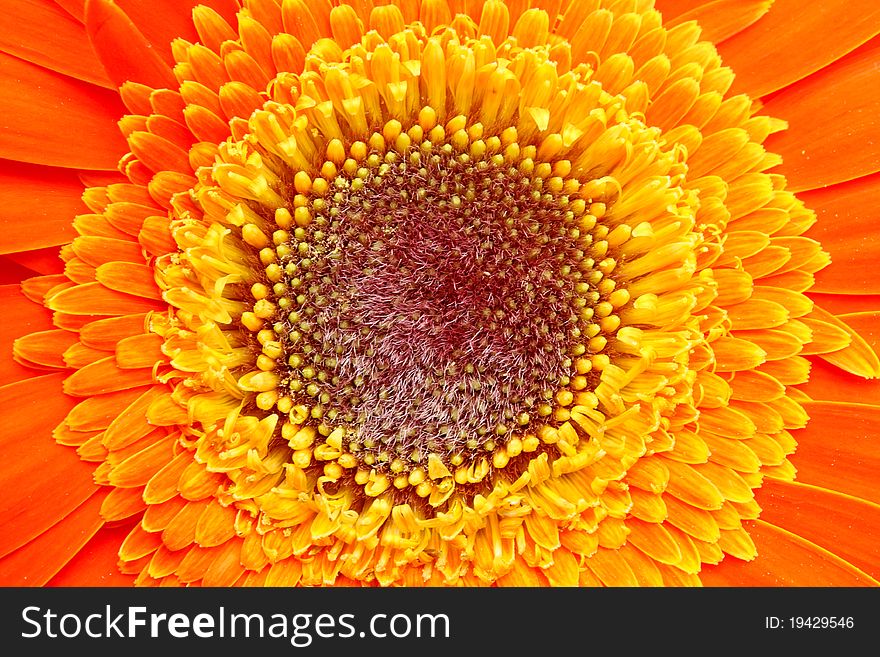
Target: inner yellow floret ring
x,y
464,314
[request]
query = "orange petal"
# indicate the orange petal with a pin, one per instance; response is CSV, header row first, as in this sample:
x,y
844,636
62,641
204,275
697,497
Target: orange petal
x,y
672,8
23,34
37,562
55,120
130,423
830,383
106,333
95,563
784,559
124,51
129,277
122,503
792,41
848,218
28,317
41,261
858,357
98,412
139,468
722,19
43,481
845,94
45,348
226,567
104,376
216,525
844,525
76,8
95,299
161,21
838,448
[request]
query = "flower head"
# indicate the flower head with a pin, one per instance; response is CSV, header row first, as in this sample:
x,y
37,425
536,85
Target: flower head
x,y
419,295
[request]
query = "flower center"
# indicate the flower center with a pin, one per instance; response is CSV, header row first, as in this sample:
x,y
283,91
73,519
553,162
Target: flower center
x,y
436,300
436,296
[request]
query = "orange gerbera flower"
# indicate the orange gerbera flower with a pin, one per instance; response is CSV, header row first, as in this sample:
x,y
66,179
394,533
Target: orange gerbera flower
x,y
439,292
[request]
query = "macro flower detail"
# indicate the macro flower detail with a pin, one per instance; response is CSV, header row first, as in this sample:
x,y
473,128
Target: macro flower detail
x,y
430,294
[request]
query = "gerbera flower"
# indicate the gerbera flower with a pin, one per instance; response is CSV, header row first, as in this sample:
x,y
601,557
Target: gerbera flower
x,y
439,293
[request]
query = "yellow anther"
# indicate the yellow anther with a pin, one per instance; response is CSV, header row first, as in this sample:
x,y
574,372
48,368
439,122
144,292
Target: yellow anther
x,y
437,134
619,297
377,142
391,129
251,321
548,435
274,272
555,184
416,134
329,170
477,149
350,166
402,142
336,151
603,309
500,459
347,460
283,218
514,447
261,381
302,216
619,235
416,477
460,140
264,309
251,234
378,485
606,286
302,458
427,118
259,291
578,382
456,123
302,182
562,168
530,443
598,343
333,470
358,150
288,430
303,438
267,256
266,400
564,397
320,186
